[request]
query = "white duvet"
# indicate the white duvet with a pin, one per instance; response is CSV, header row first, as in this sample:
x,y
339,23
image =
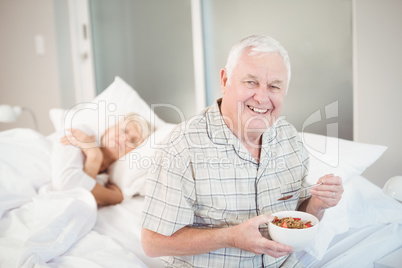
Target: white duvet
x,y
44,228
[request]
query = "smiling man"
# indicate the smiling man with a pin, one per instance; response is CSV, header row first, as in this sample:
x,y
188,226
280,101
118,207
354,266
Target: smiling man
x,y
253,94
204,213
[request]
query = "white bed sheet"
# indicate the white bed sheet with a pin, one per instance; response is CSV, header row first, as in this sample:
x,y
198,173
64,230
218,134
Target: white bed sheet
x,y
43,228
375,229
358,247
122,223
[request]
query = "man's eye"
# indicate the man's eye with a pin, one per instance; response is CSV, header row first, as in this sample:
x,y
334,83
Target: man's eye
x,y
275,88
251,84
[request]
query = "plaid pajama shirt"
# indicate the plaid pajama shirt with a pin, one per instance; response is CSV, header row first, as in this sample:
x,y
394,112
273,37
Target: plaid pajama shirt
x,y
206,178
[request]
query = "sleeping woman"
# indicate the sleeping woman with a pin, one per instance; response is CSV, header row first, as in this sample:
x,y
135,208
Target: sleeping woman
x,y
78,160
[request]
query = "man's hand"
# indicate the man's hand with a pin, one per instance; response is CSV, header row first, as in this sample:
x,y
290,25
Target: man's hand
x,y
248,237
326,195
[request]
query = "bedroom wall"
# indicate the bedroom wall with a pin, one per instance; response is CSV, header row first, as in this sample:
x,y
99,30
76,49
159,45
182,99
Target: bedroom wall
x,y
26,77
318,37
378,83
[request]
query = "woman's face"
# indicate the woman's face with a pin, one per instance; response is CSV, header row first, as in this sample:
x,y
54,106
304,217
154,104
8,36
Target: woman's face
x,y
121,138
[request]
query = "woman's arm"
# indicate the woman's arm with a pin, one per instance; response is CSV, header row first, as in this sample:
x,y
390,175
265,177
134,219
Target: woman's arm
x,y
104,195
107,195
93,162
87,144
68,168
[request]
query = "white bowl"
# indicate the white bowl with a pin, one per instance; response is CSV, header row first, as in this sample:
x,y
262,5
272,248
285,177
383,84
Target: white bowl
x,y
296,238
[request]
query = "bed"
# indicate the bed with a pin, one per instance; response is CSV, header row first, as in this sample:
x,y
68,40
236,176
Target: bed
x,y
40,227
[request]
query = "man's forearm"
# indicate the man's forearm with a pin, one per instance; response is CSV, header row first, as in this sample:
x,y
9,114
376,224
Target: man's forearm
x,y
186,241
190,241
307,207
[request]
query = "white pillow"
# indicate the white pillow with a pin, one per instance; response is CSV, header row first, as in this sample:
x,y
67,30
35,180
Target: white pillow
x,y
131,171
104,111
341,157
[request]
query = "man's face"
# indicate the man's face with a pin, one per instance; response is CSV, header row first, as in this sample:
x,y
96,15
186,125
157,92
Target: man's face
x,y
252,99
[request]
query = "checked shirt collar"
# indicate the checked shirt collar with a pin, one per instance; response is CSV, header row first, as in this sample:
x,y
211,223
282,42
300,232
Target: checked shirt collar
x,y
220,134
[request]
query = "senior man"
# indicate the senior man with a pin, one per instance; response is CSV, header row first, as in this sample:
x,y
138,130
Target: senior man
x,y
221,174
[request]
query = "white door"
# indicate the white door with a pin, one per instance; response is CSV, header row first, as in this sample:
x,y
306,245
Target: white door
x,y
81,50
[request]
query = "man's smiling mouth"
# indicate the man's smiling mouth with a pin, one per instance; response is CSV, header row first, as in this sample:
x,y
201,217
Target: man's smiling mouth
x,y
257,110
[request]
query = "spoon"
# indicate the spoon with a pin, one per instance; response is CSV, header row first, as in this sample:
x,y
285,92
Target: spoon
x,y
290,196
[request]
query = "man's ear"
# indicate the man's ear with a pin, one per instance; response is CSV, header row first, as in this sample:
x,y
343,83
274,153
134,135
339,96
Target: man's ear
x,y
224,80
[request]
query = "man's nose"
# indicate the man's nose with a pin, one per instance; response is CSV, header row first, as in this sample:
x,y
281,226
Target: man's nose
x,y
261,95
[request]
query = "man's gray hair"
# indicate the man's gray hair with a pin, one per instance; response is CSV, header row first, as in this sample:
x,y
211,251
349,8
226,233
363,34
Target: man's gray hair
x,y
258,44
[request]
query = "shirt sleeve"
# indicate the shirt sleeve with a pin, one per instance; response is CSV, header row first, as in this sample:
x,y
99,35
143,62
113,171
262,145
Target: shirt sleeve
x,y
169,201
68,168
